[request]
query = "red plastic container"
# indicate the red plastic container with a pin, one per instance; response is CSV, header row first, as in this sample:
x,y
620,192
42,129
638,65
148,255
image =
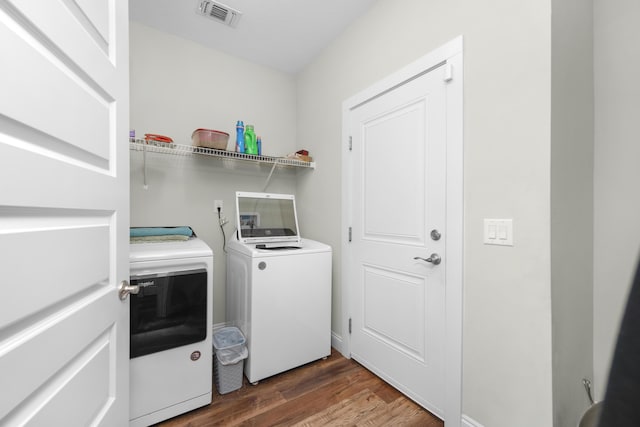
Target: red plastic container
x,y
210,138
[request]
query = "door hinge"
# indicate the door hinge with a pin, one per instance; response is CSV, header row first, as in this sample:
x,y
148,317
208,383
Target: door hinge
x,y
350,325
448,72
350,234
350,143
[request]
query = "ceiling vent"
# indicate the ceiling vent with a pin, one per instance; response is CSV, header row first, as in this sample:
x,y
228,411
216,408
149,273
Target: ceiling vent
x,y
219,12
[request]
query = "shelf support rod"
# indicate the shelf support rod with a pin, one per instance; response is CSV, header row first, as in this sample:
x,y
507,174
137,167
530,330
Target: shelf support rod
x,y
144,167
266,184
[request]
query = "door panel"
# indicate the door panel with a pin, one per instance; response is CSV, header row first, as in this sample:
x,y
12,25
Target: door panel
x,y
40,242
45,87
399,183
393,165
79,380
64,212
44,361
403,295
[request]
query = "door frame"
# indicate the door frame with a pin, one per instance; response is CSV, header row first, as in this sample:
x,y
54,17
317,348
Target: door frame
x,y
449,54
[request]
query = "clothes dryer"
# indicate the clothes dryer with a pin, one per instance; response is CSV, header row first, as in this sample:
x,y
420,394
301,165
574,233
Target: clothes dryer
x,y
171,329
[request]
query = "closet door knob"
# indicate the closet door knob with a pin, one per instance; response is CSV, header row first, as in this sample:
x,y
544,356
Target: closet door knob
x,y
125,289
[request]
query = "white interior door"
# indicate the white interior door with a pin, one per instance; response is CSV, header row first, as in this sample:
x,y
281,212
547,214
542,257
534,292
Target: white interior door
x,y
398,310
402,202
64,212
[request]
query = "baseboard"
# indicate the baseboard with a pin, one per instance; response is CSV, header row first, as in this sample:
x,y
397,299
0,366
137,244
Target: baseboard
x,y
336,341
470,422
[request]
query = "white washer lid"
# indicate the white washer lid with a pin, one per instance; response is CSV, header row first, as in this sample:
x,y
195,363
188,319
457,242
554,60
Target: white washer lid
x,y
249,249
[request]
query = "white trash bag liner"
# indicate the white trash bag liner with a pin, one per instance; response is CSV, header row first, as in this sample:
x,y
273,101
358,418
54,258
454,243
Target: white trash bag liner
x,y
233,356
228,338
229,345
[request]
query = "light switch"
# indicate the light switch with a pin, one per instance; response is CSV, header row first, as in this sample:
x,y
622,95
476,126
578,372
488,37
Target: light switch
x,y
498,232
502,232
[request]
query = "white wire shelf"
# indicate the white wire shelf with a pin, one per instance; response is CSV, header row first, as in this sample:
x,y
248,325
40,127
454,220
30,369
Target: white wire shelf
x,y
188,150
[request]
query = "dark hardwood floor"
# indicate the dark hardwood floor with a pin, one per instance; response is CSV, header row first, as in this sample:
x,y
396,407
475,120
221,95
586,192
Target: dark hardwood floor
x,y
331,392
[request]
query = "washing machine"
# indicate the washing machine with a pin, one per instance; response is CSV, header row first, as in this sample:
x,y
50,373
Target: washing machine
x,y
278,288
171,329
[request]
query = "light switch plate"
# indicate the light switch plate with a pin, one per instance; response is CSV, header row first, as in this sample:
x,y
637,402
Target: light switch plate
x,y
498,232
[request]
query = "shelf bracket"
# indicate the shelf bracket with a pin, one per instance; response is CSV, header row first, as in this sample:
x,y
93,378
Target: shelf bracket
x,y
266,183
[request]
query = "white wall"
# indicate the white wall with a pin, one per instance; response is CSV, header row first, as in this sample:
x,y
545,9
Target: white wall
x,y
507,325
571,206
178,86
617,173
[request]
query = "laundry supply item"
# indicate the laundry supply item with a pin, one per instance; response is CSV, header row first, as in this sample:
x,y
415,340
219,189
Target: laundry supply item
x,y
302,155
240,136
250,142
259,144
158,140
167,238
210,138
156,137
160,231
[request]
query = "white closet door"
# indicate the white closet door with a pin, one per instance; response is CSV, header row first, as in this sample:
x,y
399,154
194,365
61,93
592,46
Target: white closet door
x,y
399,181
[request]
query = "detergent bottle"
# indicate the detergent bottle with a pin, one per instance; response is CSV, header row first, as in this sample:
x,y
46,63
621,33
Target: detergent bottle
x,y
250,142
240,147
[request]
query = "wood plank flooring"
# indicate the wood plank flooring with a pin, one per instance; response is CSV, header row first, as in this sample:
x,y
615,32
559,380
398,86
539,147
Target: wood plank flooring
x,y
331,392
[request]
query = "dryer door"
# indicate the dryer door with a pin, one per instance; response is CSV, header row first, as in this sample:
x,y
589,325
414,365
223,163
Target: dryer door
x,y
169,311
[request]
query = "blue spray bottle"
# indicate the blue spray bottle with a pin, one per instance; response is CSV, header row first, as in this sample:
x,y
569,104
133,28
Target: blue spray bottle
x,y
240,137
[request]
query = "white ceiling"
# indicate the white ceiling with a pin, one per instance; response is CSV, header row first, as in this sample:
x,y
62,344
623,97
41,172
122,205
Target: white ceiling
x,y
281,34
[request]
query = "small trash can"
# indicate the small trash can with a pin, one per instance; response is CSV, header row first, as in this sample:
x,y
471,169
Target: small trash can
x,y
228,359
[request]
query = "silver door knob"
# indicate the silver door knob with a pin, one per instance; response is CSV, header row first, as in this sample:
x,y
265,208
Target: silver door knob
x,y
433,259
125,289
